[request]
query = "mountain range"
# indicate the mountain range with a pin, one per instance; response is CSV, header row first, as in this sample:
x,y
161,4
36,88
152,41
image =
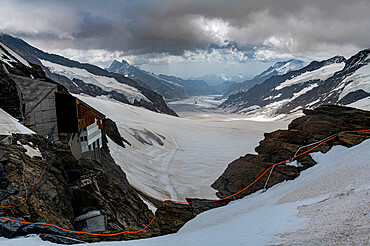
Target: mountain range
x,y
80,77
278,68
170,87
333,81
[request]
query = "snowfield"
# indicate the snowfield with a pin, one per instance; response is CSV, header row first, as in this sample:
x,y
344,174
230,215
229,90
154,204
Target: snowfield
x,y
106,83
327,204
360,81
321,74
176,158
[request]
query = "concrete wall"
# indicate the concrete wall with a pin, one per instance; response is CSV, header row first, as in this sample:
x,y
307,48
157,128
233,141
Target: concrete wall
x,y
43,117
39,99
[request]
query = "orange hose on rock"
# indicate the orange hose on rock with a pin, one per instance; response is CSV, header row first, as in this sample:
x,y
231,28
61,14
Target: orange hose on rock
x,y
132,232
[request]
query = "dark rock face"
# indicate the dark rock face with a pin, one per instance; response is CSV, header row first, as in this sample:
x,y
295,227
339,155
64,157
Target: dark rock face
x,y
50,199
170,216
9,96
282,144
111,130
60,197
354,96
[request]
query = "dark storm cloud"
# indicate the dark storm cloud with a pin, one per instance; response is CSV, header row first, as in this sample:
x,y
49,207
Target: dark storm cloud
x,y
156,26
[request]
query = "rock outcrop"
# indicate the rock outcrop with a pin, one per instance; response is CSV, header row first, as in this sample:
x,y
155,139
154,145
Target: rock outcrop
x,y
68,189
9,96
171,216
277,146
111,130
282,145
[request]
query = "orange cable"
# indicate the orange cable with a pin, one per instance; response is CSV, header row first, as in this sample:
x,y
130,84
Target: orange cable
x,y
123,232
33,186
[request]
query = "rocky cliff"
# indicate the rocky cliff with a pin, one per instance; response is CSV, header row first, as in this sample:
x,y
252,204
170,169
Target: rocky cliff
x,y
67,190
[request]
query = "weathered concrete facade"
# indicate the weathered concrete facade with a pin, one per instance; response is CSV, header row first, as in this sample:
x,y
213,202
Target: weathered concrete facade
x,y
39,104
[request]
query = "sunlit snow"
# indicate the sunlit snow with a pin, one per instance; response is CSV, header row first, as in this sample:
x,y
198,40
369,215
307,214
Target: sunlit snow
x,y
360,80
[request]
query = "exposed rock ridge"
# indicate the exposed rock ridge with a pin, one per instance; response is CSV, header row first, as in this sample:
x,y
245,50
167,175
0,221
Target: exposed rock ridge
x,y
61,195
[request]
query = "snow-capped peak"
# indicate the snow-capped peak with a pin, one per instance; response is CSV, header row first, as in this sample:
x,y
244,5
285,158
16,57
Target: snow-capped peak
x,y
8,56
283,67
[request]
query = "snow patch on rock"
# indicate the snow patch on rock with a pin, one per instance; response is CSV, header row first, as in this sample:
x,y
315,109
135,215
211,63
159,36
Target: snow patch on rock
x,y
106,83
321,74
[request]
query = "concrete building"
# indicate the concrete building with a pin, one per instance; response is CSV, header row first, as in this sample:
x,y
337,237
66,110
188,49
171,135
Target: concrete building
x,y
80,125
48,109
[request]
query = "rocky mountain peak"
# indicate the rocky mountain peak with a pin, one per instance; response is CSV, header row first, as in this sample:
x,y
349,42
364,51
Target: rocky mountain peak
x,y
118,67
282,67
358,60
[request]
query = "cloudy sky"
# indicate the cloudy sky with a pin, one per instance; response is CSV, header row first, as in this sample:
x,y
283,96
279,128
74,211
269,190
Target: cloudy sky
x,y
189,37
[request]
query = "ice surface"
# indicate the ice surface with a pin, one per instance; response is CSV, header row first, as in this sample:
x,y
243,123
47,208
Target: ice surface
x,y
194,154
358,80
363,104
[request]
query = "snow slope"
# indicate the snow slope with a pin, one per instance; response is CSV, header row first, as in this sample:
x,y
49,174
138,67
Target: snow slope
x,y
175,158
360,80
6,59
284,67
363,104
327,204
9,125
106,83
321,74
